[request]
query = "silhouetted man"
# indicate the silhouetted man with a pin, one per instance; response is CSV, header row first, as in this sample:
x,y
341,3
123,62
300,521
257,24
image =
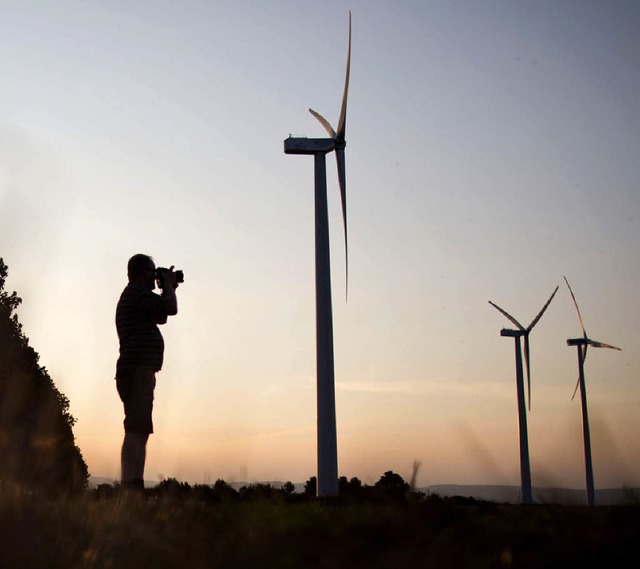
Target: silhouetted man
x,y
138,314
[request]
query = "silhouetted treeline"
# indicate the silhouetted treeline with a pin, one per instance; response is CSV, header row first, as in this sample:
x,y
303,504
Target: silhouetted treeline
x,y
390,487
37,446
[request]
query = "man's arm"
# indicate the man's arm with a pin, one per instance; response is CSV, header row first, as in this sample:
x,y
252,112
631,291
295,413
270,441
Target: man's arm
x,y
164,305
169,292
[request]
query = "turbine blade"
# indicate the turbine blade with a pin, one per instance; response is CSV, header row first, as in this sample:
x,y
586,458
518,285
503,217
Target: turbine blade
x,y
596,344
324,122
343,111
584,332
342,179
537,318
576,389
527,365
520,326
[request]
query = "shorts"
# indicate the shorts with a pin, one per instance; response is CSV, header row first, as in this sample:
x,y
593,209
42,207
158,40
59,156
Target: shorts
x,y
136,392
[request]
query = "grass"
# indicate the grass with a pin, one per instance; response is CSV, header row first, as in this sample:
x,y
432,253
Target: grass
x,y
104,530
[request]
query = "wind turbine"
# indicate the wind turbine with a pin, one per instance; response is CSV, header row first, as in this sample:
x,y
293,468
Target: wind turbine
x,y
326,404
582,344
525,466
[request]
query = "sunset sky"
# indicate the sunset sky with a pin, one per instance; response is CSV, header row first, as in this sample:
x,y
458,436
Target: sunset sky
x,y
492,147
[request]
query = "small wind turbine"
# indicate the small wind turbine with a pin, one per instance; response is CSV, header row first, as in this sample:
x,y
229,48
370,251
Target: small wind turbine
x,y
525,466
319,147
582,344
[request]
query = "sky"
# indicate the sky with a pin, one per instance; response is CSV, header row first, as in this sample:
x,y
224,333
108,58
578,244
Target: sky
x,y
491,149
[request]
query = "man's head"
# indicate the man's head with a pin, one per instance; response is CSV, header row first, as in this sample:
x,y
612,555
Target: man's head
x,y
142,270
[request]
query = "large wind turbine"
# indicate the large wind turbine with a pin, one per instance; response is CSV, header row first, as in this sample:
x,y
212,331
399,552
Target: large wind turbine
x,y
525,466
319,147
582,344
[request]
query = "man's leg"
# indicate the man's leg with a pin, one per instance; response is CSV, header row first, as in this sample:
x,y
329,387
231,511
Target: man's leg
x,y
133,455
138,424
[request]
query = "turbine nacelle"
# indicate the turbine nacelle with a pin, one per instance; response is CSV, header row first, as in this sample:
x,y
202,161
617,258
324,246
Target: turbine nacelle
x,y
512,333
302,145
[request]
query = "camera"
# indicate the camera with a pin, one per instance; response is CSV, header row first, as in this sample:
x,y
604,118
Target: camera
x,y
160,271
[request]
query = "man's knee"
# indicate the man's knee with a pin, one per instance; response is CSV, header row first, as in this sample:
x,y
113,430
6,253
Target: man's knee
x,y
136,438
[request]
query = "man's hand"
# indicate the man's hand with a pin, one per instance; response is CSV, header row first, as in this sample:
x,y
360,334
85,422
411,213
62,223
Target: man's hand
x,y
169,278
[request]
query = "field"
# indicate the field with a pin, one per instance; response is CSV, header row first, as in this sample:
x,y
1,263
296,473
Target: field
x,y
266,528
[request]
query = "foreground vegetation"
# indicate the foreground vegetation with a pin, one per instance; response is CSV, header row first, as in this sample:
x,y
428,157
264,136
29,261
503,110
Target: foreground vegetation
x,y
176,525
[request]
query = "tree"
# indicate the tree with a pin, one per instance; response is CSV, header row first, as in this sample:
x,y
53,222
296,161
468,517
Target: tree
x,y
258,491
37,446
392,485
350,487
288,488
310,487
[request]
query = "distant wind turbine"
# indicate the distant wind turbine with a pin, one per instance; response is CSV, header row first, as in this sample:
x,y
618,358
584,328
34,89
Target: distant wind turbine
x,y
319,147
525,466
582,344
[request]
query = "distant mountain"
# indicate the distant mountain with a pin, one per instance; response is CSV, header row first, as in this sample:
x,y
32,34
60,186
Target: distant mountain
x,y
511,494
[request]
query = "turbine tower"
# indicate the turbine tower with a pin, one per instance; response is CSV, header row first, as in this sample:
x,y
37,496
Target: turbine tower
x,y
319,148
582,344
525,466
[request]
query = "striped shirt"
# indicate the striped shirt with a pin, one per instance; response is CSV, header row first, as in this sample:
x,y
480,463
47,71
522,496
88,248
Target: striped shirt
x,y
138,314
